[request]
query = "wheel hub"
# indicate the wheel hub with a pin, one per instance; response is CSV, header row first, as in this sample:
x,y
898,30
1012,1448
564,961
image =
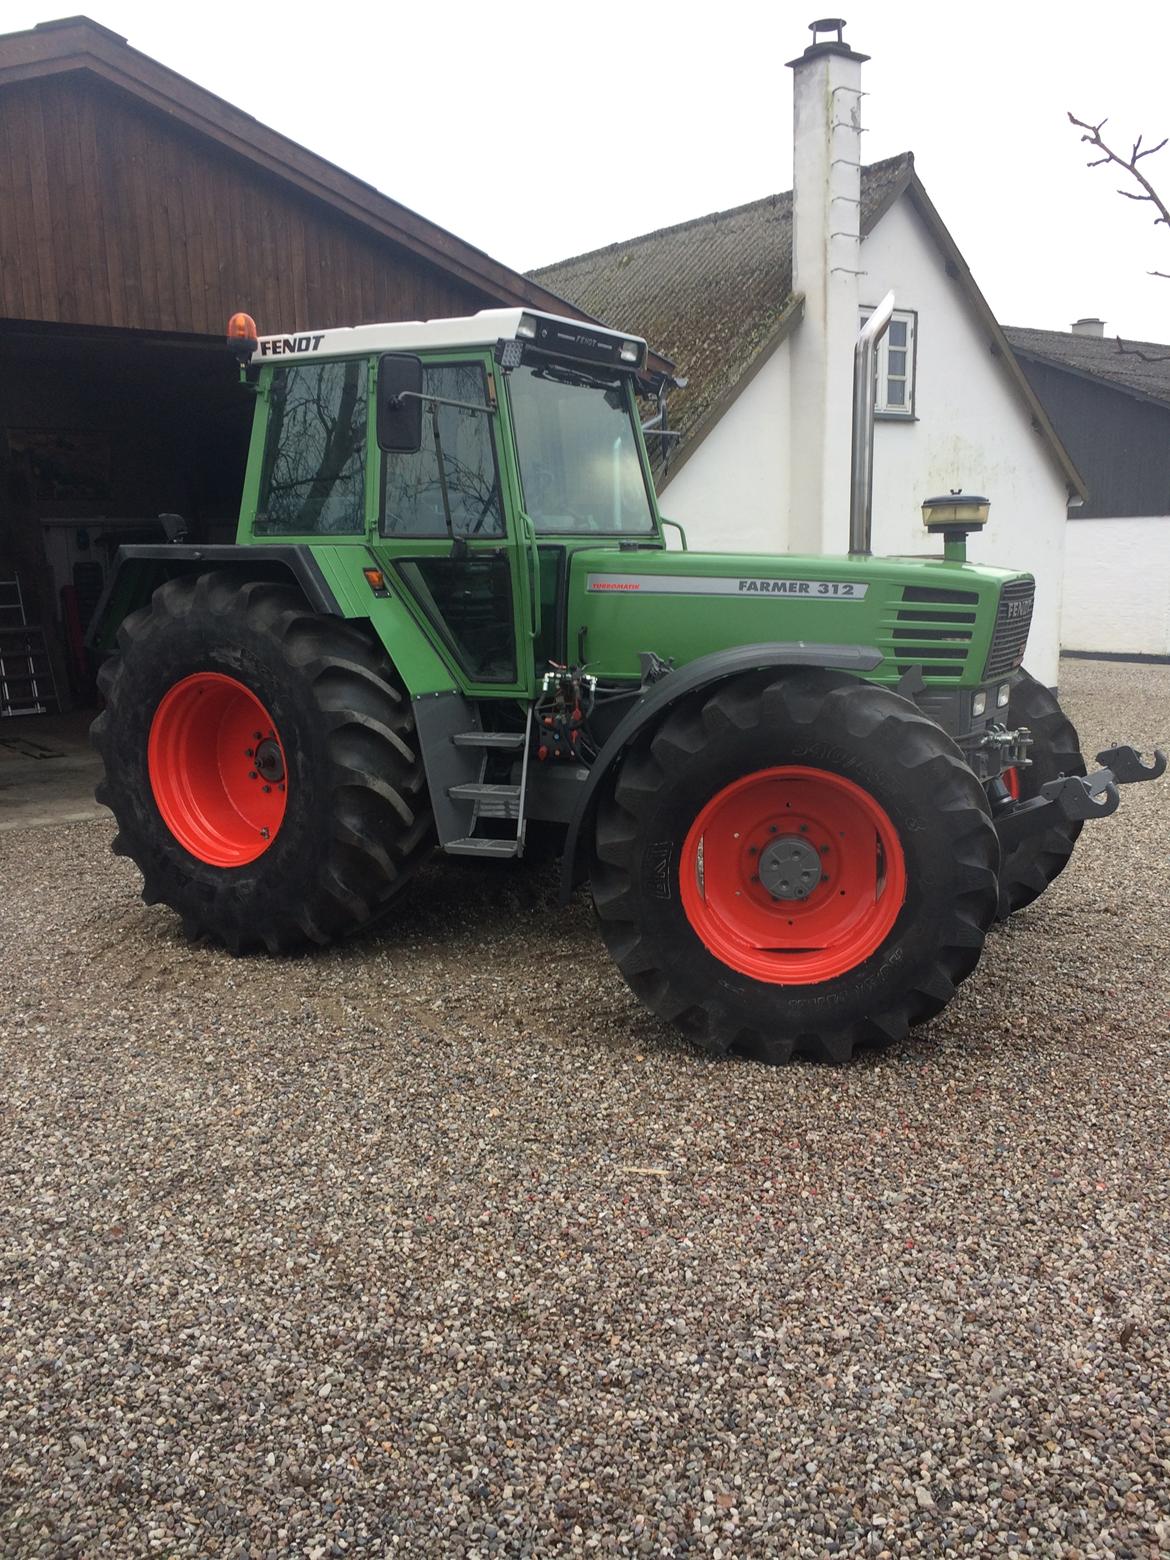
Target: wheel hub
x,y
790,867
270,760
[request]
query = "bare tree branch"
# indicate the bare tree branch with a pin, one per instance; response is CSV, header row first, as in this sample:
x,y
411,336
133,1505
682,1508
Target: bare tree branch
x,y
1146,357
1093,138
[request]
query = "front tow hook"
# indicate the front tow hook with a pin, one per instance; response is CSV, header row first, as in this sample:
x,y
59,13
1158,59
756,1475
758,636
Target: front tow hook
x,y
1128,769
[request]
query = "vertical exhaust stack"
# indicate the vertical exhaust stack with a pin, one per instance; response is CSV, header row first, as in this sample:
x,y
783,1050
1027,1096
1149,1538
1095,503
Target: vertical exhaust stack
x,y
864,387
826,273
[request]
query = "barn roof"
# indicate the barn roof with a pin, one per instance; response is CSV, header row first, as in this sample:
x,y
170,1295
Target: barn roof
x,y
1141,368
78,44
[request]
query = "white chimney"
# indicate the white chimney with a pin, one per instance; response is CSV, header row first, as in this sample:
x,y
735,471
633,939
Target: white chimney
x,y
826,269
1088,327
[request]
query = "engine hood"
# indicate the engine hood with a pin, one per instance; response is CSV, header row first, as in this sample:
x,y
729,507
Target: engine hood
x,y
915,611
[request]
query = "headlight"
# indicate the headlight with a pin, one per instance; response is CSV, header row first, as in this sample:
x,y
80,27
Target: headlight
x,y
631,351
979,704
527,327
1003,695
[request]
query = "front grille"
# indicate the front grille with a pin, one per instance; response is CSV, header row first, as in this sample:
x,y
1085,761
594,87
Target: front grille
x,y
932,630
1012,622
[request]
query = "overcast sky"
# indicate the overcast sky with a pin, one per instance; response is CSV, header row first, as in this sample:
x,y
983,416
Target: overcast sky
x,y
538,131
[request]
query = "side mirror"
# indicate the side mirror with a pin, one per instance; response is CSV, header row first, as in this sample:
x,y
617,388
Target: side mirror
x,y
400,406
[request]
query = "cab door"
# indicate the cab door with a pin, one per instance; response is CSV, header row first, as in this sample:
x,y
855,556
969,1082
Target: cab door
x,y
467,580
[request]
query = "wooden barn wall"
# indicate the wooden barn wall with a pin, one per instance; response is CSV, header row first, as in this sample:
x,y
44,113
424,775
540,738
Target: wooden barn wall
x,y
111,214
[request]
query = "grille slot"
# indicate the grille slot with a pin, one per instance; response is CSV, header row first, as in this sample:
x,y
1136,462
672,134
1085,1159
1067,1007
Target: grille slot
x,y
1012,621
932,631
958,598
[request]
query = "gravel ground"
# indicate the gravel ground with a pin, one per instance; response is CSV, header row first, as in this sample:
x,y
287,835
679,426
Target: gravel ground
x,y
436,1244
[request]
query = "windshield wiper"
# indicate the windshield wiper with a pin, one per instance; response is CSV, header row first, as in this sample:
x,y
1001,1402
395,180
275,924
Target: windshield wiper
x,y
571,376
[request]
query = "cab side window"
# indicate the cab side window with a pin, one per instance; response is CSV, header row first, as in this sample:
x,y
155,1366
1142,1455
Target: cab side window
x,y
412,494
313,480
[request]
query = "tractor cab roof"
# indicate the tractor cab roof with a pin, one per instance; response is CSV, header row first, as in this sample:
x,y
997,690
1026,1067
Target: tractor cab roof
x,y
549,333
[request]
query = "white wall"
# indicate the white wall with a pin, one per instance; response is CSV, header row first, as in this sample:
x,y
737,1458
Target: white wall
x,y
973,431
1117,585
732,494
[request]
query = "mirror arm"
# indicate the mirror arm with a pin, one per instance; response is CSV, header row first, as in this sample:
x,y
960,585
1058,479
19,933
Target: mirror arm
x,y
439,400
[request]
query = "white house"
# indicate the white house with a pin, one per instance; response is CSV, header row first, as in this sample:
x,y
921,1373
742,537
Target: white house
x,y
1110,402
759,308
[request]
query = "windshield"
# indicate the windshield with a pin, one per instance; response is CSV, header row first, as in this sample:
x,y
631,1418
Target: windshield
x,y
578,452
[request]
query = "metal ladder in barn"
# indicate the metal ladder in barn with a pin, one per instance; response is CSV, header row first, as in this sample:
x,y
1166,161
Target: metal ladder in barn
x,y
26,672
489,799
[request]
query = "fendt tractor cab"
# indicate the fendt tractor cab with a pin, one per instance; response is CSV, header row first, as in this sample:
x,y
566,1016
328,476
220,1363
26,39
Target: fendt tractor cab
x,y
800,788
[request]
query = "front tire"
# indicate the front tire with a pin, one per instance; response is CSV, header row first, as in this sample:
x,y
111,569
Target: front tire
x,y
795,864
1031,866
262,764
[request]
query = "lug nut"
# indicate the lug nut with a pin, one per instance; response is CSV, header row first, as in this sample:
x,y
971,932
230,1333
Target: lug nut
x,y
249,752
252,775
267,788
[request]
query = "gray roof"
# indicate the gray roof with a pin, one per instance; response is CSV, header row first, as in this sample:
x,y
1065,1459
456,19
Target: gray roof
x,y
711,293
1140,367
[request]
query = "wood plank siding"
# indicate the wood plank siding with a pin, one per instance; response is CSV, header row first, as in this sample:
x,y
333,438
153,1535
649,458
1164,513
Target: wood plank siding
x,y
114,214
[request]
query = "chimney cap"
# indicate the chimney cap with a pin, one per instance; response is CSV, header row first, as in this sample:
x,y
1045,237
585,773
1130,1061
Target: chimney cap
x,y
1088,325
837,45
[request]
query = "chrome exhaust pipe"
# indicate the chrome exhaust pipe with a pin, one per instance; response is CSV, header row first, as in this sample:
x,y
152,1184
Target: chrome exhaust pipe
x,y
861,472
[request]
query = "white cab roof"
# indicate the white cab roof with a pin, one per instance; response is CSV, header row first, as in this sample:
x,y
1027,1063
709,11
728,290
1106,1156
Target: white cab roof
x,y
476,330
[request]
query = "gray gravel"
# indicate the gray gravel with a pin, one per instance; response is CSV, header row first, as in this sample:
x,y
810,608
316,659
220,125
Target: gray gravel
x,y
436,1244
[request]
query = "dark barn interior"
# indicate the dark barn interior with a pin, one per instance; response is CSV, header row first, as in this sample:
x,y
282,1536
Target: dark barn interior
x,y
137,212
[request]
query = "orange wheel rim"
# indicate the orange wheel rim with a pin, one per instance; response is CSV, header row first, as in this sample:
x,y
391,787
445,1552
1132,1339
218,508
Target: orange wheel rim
x,y
792,875
217,769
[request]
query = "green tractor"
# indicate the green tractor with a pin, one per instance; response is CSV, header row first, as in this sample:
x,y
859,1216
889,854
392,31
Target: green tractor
x,y
801,789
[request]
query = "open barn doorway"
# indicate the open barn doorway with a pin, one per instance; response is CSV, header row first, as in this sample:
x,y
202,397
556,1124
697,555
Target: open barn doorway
x,y
101,431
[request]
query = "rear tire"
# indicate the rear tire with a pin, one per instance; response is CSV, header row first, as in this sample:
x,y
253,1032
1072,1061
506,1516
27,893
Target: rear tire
x,y
1031,866
723,960
345,819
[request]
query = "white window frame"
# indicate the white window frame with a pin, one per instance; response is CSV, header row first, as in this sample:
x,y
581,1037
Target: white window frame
x,y
882,404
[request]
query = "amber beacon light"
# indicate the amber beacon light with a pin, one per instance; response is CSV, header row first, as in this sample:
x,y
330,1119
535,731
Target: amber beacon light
x,y
241,335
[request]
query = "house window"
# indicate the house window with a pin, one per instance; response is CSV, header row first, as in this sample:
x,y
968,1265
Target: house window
x,y
895,365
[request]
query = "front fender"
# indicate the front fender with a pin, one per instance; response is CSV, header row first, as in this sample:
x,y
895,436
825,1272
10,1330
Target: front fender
x,y
658,697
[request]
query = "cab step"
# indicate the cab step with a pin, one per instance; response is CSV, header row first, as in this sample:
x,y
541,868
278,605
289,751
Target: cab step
x,y
501,741
491,801
482,847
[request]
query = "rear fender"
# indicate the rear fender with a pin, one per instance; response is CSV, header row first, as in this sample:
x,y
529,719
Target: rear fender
x,y
140,570
696,676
